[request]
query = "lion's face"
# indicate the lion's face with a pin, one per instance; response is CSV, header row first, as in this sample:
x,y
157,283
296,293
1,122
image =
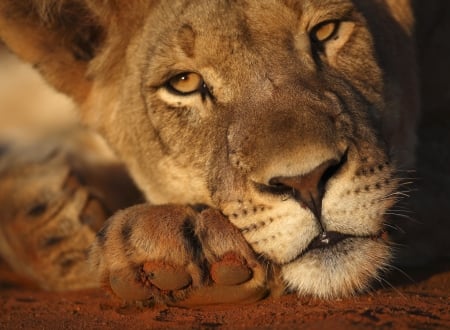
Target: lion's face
x,y
290,116
274,112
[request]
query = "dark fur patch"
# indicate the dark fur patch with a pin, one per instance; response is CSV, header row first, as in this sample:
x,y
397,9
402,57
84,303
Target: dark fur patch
x,y
186,40
79,26
52,241
191,239
37,210
199,207
126,233
102,235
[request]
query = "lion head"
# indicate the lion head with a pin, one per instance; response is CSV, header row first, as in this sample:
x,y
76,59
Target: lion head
x,y
291,117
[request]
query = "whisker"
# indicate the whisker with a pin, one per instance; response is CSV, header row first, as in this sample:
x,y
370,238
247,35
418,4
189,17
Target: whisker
x,y
395,228
396,246
410,218
396,200
401,193
404,216
402,272
405,183
397,194
391,286
401,210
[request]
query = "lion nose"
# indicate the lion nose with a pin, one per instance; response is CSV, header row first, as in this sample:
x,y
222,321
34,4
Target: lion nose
x,y
308,188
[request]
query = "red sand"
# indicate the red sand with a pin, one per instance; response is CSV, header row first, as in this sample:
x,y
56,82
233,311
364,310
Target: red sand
x,y
419,303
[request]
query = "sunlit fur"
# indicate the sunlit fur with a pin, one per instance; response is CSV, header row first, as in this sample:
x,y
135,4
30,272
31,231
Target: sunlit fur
x,y
277,105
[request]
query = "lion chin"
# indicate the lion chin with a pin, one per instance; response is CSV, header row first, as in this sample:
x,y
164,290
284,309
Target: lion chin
x,y
341,270
252,147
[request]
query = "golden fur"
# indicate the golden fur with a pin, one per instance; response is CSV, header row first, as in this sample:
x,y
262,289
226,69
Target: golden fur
x,y
297,141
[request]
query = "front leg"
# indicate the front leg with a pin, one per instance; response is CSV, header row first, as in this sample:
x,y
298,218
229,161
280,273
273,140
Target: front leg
x,y
177,255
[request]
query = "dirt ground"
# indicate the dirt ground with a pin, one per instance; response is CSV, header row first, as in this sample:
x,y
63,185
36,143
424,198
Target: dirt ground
x,y
417,301
414,298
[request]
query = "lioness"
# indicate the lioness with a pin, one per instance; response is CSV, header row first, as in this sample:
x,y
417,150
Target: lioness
x,y
266,138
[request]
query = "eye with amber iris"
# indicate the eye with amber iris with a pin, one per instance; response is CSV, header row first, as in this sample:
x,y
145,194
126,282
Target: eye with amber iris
x,y
324,31
187,83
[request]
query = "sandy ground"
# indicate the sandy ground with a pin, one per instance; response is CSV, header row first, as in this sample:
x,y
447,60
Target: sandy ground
x,y
419,298
418,302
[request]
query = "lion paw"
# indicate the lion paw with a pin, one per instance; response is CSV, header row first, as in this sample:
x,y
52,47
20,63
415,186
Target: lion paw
x,y
175,255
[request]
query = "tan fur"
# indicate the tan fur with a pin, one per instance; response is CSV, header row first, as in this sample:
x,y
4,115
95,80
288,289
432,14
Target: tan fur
x,y
279,106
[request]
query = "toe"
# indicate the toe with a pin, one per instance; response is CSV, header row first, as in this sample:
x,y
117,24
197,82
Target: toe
x,y
231,270
166,277
126,285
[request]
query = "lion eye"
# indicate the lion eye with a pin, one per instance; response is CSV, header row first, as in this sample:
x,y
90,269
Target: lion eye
x,y
324,31
186,83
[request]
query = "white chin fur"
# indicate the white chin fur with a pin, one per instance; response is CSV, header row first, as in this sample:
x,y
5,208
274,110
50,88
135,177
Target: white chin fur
x,y
339,271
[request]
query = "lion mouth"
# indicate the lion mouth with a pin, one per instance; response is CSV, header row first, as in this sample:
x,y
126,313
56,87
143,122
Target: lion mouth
x,y
327,239
330,239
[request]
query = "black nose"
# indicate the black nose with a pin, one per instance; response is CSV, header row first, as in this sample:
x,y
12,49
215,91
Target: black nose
x,y
308,188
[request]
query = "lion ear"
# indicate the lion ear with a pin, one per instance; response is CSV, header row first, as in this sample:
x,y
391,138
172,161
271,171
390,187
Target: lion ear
x,y
58,37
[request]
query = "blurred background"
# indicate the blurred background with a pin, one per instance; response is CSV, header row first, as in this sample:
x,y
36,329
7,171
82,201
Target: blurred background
x,y
427,234
29,108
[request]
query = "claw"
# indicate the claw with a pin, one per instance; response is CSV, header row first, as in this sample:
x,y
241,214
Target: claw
x,y
166,277
231,270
